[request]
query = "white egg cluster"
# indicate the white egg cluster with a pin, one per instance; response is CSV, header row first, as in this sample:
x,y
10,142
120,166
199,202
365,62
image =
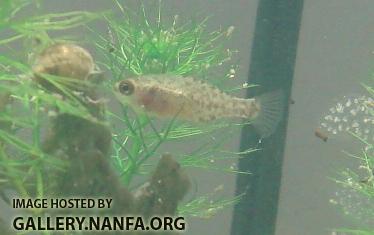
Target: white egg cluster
x,y
355,204
352,114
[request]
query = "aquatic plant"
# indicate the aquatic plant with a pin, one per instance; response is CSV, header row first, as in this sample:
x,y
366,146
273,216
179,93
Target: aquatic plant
x,y
356,196
25,166
208,205
137,45
27,108
51,123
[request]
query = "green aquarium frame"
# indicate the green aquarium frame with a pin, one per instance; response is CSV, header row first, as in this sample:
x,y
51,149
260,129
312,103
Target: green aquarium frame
x,y
272,67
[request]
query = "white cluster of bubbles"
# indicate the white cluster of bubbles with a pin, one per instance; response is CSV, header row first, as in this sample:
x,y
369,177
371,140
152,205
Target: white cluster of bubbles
x,y
357,205
351,115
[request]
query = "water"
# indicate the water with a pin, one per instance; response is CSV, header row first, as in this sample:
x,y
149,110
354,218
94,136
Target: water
x,y
66,135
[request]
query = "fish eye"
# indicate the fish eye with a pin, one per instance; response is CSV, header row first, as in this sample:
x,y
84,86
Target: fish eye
x,y
126,87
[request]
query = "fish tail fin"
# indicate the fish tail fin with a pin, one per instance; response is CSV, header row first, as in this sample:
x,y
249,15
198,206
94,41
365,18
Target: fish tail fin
x,y
271,106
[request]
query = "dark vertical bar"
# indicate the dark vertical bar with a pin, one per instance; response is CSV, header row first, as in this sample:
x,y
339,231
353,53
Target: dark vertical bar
x,y
272,67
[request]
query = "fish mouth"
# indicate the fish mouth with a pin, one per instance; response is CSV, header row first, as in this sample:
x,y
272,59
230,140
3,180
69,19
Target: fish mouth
x,y
116,87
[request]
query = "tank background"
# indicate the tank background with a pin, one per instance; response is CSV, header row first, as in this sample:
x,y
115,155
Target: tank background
x,y
335,54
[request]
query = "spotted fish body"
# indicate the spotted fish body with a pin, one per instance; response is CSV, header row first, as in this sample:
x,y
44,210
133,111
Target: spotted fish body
x,y
193,100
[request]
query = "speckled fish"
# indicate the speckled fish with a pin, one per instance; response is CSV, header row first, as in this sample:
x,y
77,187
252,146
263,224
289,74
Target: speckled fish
x,y
193,100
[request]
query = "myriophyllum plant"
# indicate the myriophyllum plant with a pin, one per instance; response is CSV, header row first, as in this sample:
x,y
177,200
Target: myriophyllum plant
x,y
356,197
135,44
